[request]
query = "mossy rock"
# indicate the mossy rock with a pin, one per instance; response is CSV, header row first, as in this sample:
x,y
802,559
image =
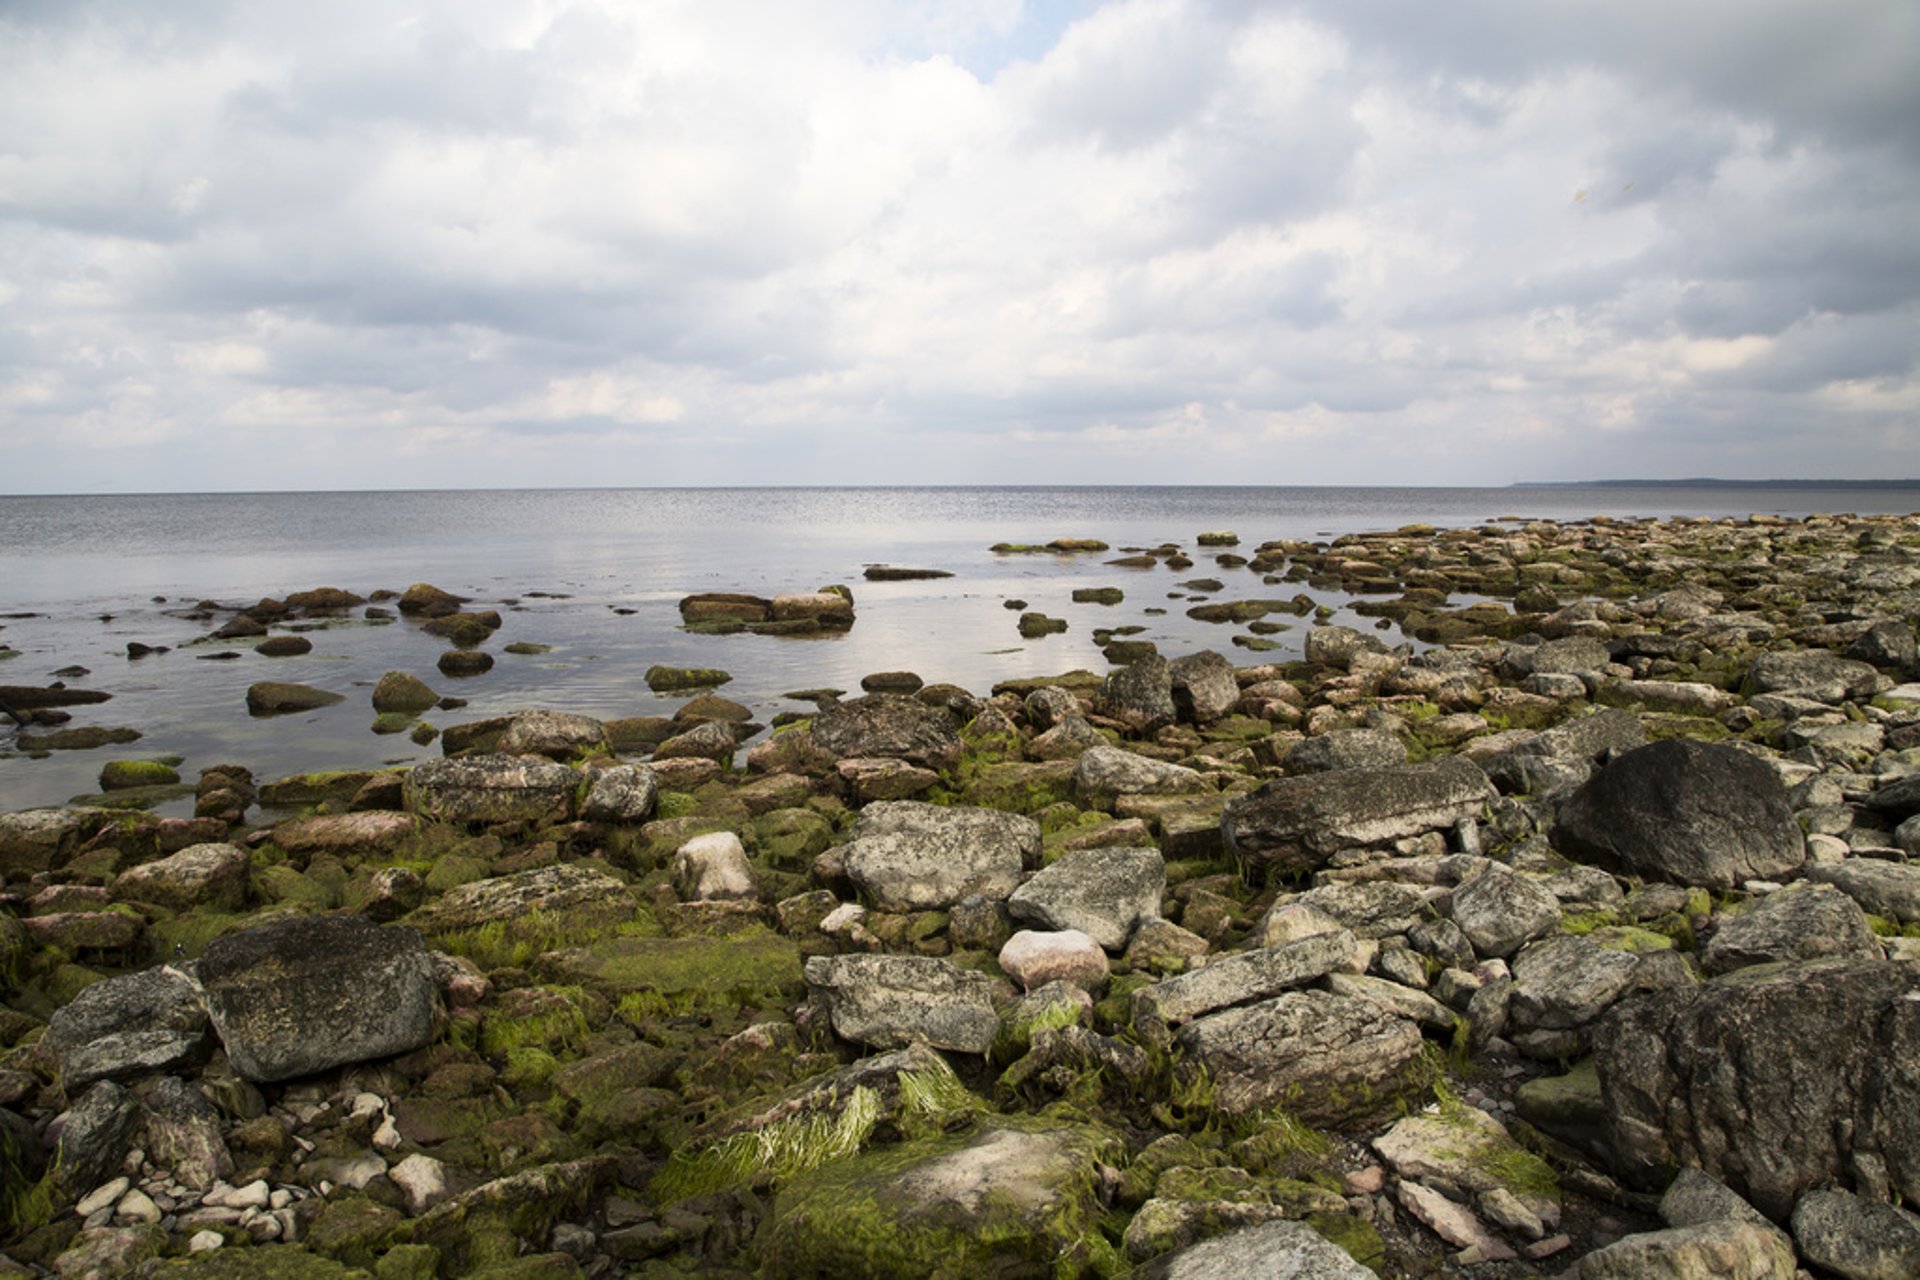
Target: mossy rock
x,y
1098,595
663,679
353,1230
1017,787
1003,1201
269,1262
390,722
124,775
1035,625
676,977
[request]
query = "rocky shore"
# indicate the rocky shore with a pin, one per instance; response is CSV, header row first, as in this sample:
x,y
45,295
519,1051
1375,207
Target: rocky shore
x,y
1566,924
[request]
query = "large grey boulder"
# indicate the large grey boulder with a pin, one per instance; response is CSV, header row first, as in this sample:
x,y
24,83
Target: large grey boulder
x,y
1501,910
1857,1238
1278,1250
1685,812
1812,673
625,793
1242,977
557,735
564,889
1345,749
891,1001
1801,922
298,996
1775,1079
1301,822
1203,686
1563,985
492,788
95,1136
183,1134
1104,893
1890,889
36,840
128,1026
910,856
891,725
1105,773
213,876
1371,908
1139,695
1329,1060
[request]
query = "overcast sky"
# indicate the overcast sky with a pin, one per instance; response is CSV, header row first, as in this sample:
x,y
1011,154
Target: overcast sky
x,y
429,243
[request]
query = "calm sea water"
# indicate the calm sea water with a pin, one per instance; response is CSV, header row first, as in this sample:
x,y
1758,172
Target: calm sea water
x,y
98,572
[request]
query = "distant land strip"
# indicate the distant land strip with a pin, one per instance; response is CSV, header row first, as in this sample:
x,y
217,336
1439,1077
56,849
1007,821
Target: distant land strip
x,y
1704,482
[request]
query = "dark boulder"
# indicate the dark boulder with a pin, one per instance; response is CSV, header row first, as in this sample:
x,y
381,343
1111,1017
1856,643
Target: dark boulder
x,y
1139,695
1301,822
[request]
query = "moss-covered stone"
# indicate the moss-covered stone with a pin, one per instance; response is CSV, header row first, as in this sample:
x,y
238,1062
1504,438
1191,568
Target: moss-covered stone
x,y
268,1262
353,1229
676,977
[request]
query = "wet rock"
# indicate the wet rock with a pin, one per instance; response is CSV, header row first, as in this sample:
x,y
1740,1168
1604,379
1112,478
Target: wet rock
x,y
1501,911
1327,1059
461,664
1857,1238
623,794
125,775
1775,1080
213,876
663,679
425,600
492,788
1203,686
274,697
887,724
1101,892
297,996
890,1001
1345,749
1278,1250
829,610
1687,813
1801,922
722,607
555,735
1104,773
892,573
283,647
1242,977
129,1025
1139,696
1300,822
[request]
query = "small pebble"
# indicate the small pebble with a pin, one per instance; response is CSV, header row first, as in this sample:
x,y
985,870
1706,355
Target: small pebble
x,y
205,1241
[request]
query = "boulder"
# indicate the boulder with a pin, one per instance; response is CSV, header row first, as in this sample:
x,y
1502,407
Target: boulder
x,y
460,664
402,693
1242,977
1139,696
713,866
1501,911
829,609
1857,1238
909,856
95,1137
888,724
1301,822
1329,1060
1203,686
276,697
1889,643
1726,1250
708,740
1890,889
1775,1079
183,1134
1279,1250
1563,985
564,889
492,788
1050,705
1103,773
1685,812
556,735
300,995
36,840
347,835
1370,908
891,1001
1101,892
1345,749
1033,959
1336,646
1811,673
1801,922
425,600
623,794
1581,741
213,876
128,1026
1068,739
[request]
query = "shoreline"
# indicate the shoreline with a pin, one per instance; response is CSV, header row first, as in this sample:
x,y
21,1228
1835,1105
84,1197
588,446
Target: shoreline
x,y
1071,922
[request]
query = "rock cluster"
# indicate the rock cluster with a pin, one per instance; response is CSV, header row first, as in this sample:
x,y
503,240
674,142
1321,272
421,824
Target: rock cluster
x,y
1583,942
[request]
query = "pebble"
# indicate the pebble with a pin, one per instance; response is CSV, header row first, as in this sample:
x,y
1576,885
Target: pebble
x,y
101,1197
205,1241
137,1206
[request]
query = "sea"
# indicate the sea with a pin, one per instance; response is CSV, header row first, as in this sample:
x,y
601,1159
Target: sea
x,y
596,574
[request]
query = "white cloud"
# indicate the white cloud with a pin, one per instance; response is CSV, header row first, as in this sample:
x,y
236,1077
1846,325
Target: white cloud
x,y
517,240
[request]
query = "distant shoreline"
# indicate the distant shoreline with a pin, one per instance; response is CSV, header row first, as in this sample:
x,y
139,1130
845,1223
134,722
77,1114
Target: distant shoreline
x,y
1701,482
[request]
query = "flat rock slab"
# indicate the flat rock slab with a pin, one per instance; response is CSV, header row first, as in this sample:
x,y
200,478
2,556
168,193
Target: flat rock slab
x,y
1685,812
210,875
375,831
923,871
1467,1148
1103,773
128,1026
298,996
1243,977
891,725
1727,1250
891,1001
492,788
1104,893
563,889
1801,922
1327,1059
1890,889
1301,822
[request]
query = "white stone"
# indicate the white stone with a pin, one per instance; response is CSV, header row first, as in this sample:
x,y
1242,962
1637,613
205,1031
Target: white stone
x,y
386,1137
848,915
423,1178
101,1197
137,1206
205,1241
366,1104
1034,958
254,1195
713,866
281,1198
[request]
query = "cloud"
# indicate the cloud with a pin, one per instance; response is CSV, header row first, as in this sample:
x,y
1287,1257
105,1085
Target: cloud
x,y
548,241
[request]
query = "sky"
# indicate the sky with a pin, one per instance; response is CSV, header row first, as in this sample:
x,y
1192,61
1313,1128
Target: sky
x,y
377,244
